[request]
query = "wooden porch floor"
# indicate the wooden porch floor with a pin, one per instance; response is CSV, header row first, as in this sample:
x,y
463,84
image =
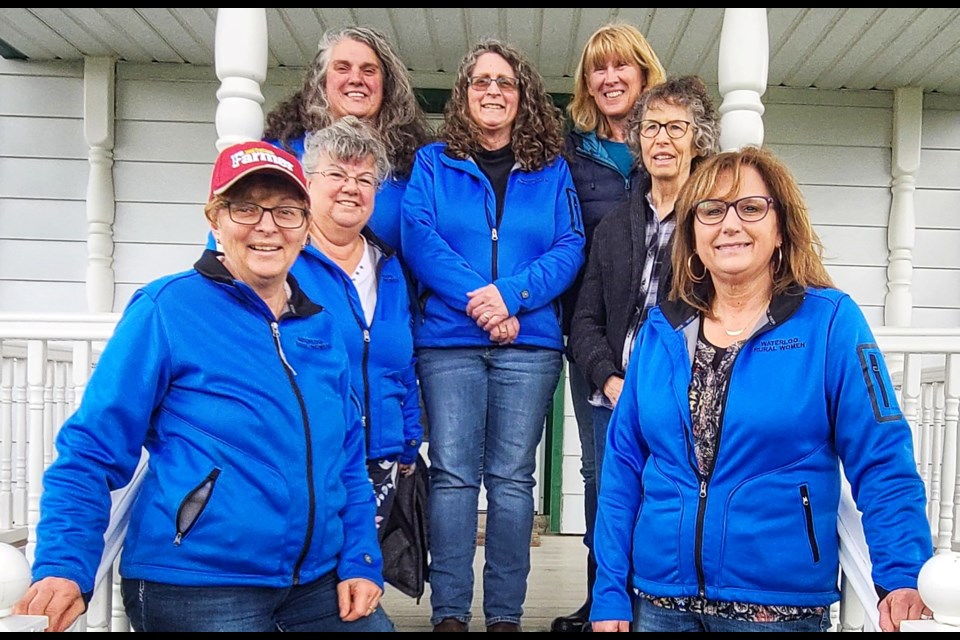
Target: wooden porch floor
x,y
557,586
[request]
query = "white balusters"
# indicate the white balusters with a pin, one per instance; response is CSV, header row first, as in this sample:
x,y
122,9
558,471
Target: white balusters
x,y
36,366
6,443
948,473
19,443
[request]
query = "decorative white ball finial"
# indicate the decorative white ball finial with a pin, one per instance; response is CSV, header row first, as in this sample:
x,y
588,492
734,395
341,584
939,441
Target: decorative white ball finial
x,y
14,577
939,587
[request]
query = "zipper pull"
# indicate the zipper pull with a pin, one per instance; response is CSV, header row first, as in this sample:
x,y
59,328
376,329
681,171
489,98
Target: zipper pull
x,y
703,488
276,338
806,501
493,234
176,541
366,335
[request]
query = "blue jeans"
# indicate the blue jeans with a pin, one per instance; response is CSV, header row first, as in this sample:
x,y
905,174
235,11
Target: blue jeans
x,y
153,606
486,408
579,395
649,617
601,423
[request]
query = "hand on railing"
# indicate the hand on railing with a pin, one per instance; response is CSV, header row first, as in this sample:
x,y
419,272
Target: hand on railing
x,y
899,605
58,599
14,581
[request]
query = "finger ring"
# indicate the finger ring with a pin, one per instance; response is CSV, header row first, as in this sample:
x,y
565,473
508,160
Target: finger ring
x,y
486,315
371,610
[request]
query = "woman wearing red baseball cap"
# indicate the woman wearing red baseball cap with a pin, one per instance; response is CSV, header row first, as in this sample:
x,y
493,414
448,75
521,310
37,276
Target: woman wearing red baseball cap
x,y
256,513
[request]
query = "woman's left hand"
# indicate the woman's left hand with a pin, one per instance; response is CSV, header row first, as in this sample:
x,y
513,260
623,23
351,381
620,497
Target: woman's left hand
x,y
358,598
901,604
486,307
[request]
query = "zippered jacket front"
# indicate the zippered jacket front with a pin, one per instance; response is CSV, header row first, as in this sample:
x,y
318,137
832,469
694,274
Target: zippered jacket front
x,y
383,369
808,394
257,472
454,243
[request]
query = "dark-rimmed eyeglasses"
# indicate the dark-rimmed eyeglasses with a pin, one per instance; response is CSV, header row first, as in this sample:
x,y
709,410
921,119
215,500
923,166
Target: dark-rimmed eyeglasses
x,y
366,181
285,216
482,83
749,209
675,128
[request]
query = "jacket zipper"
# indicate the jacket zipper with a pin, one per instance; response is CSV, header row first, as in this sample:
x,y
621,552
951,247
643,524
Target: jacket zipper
x,y
808,514
312,498
875,368
705,478
365,359
197,501
493,254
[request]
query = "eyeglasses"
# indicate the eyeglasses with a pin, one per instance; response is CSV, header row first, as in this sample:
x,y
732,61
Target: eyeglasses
x,y
749,209
285,217
675,128
506,83
365,181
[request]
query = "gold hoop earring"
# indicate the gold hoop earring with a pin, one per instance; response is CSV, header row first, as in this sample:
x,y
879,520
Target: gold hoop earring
x,y
690,270
779,263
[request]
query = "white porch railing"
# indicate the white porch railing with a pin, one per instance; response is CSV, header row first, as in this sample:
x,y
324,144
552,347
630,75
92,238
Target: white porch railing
x,y
46,360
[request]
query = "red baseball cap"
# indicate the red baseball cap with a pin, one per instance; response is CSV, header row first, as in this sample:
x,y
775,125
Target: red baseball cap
x,y
240,160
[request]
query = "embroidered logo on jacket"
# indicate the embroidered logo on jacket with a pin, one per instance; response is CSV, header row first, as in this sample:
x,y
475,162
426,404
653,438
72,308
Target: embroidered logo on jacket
x,y
780,344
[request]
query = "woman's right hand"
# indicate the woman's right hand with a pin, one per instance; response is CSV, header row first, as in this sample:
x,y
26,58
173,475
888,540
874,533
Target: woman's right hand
x,y
506,332
610,626
57,598
612,388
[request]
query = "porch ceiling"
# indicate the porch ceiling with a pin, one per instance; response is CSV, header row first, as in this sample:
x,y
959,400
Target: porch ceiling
x,y
878,48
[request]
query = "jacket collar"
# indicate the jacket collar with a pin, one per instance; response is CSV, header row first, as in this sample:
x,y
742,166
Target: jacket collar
x,y
783,305
210,267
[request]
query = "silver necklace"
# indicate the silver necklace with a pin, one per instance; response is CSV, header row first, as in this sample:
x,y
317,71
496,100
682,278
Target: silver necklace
x,y
752,322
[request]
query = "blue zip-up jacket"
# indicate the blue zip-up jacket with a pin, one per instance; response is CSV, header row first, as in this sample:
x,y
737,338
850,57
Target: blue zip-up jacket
x,y
600,188
257,473
385,219
382,364
807,392
455,244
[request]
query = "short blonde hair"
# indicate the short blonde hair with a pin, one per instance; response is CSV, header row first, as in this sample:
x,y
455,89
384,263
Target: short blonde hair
x,y
618,41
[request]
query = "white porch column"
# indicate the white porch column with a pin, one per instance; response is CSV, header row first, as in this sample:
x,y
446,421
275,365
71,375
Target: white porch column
x,y
99,89
901,227
742,76
241,61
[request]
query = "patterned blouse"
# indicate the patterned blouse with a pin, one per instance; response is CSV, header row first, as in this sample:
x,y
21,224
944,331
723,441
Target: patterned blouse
x,y
708,388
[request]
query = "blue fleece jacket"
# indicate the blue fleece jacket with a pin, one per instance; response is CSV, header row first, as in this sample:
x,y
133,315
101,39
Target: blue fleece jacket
x,y
808,393
257,473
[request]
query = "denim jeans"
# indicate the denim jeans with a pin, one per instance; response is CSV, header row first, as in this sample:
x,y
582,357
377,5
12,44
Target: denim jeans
x,y
486,408
153,606
649,617
579,395
601,423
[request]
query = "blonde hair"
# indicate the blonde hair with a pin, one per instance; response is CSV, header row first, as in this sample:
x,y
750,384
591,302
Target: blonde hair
x,y
799,261
612,41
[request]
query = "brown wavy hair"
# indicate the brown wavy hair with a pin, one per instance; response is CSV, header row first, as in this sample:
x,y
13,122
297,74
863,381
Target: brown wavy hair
x,y
537,135
612,41
801,261
401,122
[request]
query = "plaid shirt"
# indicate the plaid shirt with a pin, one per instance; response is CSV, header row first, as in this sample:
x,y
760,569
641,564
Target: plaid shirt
x,y
658,234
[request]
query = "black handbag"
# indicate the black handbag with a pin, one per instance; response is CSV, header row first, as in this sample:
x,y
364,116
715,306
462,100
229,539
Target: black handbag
x,y
403,537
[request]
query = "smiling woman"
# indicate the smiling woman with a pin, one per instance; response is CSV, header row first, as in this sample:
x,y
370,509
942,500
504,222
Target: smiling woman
x,y
237,385
491,230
